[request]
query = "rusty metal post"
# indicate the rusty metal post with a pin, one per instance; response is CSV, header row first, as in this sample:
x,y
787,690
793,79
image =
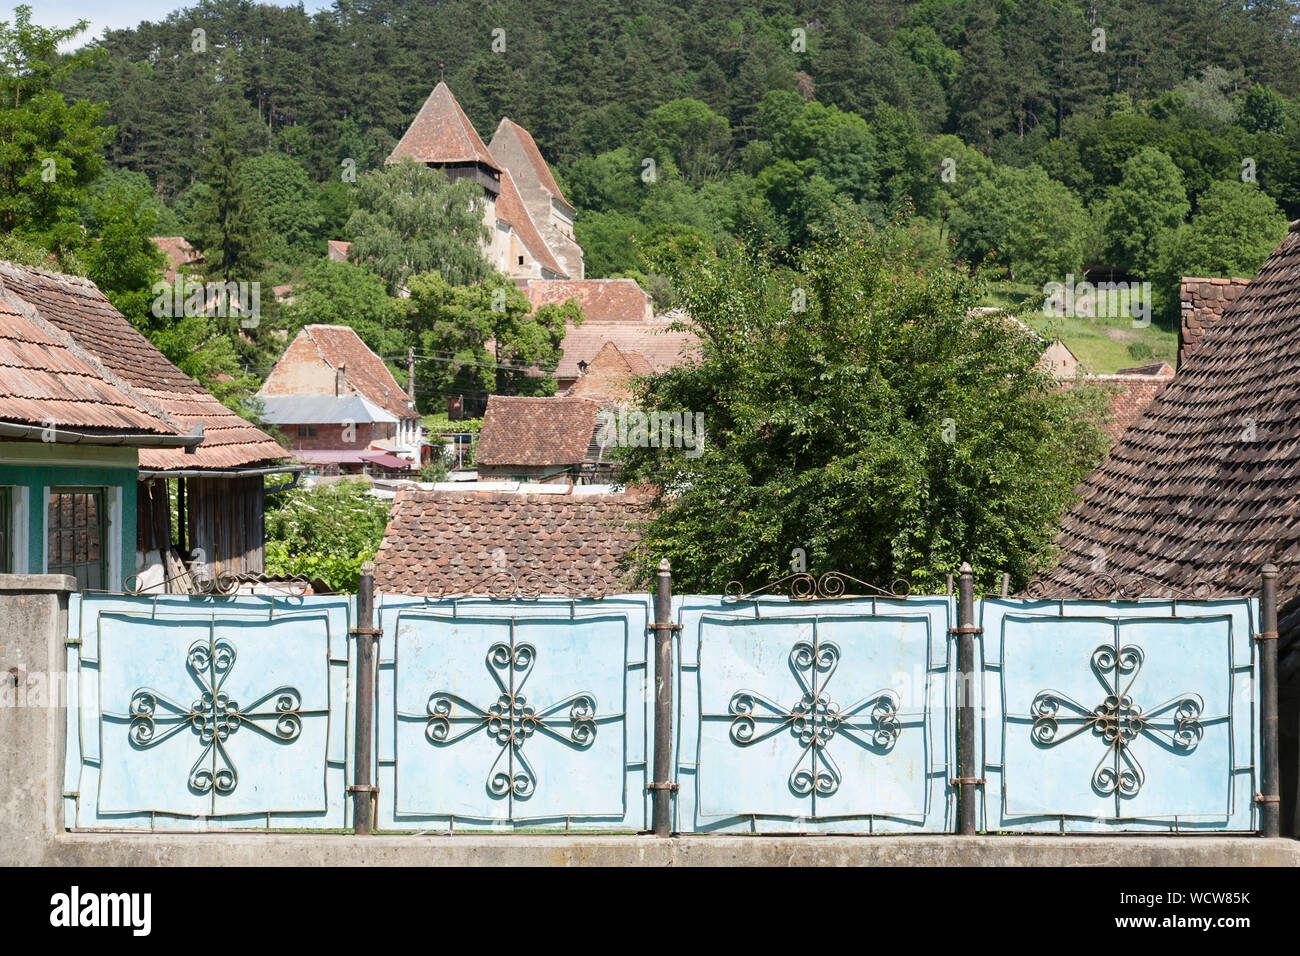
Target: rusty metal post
x,y
1269,798
966,631
662,786
362,788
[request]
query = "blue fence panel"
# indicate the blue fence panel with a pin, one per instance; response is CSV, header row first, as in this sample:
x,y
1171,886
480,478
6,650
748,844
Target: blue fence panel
x,y
1103,716
207,712
814,716
518,714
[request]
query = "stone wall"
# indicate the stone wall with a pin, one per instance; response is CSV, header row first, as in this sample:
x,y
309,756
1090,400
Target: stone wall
x,y
1203,302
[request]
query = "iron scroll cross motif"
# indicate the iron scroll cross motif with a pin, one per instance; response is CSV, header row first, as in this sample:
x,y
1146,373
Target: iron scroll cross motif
x,y
1118,721
213,716
815,719
511,719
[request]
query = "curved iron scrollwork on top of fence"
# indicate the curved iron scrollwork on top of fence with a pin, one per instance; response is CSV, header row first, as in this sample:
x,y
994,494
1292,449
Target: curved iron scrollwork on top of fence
x,y
803,586
530,584
222,584
1121,586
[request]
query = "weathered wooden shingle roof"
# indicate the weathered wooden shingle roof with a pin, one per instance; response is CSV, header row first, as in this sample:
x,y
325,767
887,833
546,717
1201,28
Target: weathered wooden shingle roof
x,y
448,542
1204,488
79,309
536,431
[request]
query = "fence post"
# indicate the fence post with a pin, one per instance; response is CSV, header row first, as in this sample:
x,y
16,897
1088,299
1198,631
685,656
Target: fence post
x,y
662,786
1268,798
966,631
362,789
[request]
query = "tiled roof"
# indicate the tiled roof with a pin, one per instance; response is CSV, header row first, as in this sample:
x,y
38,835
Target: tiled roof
x,y
1130,395
179,254
79,309
660,346
534,157
442,133
602,300
338,249
510,209
1162,369
449,542
1205,486
340,346
535,431
45,378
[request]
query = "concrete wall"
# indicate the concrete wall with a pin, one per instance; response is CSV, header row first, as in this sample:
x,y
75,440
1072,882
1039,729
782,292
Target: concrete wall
x,y
33,623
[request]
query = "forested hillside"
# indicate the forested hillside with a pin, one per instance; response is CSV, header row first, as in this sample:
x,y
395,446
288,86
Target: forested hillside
x,y
1157,138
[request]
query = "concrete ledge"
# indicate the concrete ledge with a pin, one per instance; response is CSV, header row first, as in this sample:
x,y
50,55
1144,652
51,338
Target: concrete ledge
x,y
38,583
255,849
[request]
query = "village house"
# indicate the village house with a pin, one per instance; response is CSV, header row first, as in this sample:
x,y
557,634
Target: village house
x,y
453,542
100,432
339,405
182,258
1204,488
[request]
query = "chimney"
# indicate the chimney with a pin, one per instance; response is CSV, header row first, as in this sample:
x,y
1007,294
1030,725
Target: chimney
x,y
340,381
1202,302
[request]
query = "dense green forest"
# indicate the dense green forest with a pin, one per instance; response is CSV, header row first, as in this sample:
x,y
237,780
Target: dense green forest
x,y
1154,138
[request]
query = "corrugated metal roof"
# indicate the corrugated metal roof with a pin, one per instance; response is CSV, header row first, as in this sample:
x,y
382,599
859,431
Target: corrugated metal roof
x,y
321,410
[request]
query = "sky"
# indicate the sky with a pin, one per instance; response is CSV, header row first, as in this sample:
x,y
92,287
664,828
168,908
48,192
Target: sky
x,y
115,14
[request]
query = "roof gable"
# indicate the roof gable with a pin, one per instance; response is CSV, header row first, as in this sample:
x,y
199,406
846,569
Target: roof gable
x,y
442,133
511,210
363,370
509,128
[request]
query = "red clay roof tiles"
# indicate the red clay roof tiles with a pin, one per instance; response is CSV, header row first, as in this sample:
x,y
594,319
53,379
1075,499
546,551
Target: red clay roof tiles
x,y
442,133
448,542
536,431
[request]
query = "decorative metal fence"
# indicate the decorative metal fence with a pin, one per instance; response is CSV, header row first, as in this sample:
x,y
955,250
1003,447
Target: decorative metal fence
x,y
808,711
208,712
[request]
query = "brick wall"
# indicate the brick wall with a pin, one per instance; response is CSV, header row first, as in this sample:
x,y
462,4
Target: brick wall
x,y
330,437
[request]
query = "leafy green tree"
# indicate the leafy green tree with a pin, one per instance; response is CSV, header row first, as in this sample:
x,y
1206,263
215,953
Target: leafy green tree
x,y
1143,211
284,201
1263,111
223,220
50,149
1231,233
165,221
341,293
409,219
697,139
1031,224
484,338
889,429
326,532
121,259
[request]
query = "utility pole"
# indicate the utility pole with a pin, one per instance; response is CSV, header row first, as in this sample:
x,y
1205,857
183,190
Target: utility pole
x,y
410,373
